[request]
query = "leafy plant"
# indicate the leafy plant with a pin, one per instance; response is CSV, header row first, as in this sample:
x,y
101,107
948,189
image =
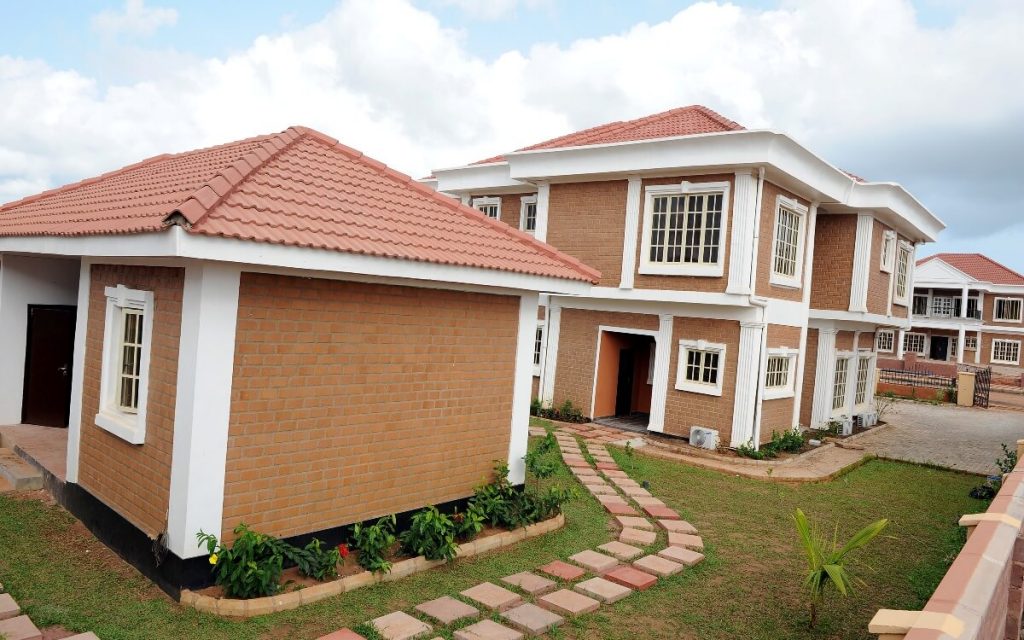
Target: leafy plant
x,y
504,506
826,560
566,412
747,450
468,524
1008,461
315,561
431,534
884,403
539,463
250,567
373,541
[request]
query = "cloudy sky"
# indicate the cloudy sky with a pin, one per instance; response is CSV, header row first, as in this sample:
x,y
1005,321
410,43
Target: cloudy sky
x,y
925,93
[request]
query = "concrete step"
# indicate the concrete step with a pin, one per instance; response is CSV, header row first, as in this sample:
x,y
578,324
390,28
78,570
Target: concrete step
x,y
20,474
20,628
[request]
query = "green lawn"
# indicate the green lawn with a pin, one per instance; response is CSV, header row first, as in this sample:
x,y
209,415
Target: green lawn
x,y
749,586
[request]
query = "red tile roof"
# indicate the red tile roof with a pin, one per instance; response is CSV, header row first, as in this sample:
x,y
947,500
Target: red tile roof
x,y
299,187
684,121
979,267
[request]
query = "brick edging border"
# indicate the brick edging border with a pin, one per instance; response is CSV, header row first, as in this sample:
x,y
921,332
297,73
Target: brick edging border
x,y
236,608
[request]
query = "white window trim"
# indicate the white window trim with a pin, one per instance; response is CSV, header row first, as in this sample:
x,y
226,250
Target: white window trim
x,y
868,395
970,343
908,287
888,258
787,391
794,281
705,270
523,201
849,386
486,201
682,384
127,426
891,333
995,305
924,342
992,356
543,326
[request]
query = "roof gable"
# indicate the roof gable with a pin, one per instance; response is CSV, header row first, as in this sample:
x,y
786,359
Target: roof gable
x,y
976,266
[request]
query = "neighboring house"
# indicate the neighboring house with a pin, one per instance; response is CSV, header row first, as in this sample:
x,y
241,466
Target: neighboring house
x,y
967,308
743,277
278,331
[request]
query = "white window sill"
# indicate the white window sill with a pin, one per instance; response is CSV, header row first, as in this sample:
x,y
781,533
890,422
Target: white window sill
x,y
901,303
780,281
884,350
1006,362
706,271
777,394
703,389
536,371
1006,321
121,425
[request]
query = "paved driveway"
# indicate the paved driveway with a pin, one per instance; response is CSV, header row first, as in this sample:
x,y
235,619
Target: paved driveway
x,y
956,437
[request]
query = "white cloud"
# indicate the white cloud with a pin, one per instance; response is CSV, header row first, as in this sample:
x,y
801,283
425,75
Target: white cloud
x,y
491,9
134,19
862,83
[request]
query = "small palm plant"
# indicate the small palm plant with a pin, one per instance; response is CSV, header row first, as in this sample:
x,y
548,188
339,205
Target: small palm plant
x,y
825,560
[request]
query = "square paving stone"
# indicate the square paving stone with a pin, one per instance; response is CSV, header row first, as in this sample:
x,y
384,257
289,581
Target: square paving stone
x,y
607,466
342,634
447,610
631,577
624,483
634,522
532,619
637,536
636,492
584,472
562,570
619,509
19,628
679,526
658,566
594,562
492,596
604,590
488,630
685,557
8,607
685,540
568,603
89,635
611,499
399,625
661,512
531,583
615,472
621,550
575,461
648,501
601,490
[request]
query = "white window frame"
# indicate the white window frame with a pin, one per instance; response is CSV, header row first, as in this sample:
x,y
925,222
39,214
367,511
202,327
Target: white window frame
x,y
942,307
847,357
970,343
913,305
888,257
127,425
892,340
924,342
524,203
785,391
542,326
867,395
1020,309
992,357
486,201
716,269
682,384
800,211
908,284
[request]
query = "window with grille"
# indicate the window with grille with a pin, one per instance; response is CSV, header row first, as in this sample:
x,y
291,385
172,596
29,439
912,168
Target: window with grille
x,y
903,253
786,256
972,308
130,366
970,343
777,372
124,373
953,344
913,342
884,340
490,207
888,251
528,214
863,370
839,383
1007,309
701,367
942,306
1006,351
684,229
538,344
920,305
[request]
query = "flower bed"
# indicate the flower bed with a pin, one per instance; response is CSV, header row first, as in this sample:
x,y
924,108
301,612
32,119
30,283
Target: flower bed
x,y
290,600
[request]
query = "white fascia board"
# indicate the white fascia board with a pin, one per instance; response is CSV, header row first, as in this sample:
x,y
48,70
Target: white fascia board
x,y
670,296
855,321
952,324
475,178
940,273
904,209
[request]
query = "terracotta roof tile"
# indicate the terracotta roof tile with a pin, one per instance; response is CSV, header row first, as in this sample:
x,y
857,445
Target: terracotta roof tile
x,y
299,187
979,267
683,121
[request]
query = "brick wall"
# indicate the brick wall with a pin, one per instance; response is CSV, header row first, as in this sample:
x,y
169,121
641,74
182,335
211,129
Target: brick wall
x,y
684,409
835,237
577,350
844,341
810,371
765,257
511,209
352,400
587,220
878,280
777,414
134,480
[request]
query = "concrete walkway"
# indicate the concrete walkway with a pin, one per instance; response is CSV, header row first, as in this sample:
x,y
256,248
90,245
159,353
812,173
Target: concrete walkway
x,y
963,438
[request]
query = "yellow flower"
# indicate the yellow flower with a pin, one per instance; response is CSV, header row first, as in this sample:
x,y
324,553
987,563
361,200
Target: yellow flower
x,y
213,558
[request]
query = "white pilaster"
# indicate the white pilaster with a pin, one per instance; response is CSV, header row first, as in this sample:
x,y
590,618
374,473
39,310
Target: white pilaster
x,y
747,368
631,232
741,248
659,388
520,432
824,375
206,356
78,372
963,301
960,344
547,375
543,201
899,343
861,262
801,360
977,351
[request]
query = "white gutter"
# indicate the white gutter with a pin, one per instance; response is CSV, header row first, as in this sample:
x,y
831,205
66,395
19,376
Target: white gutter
x,y
757,231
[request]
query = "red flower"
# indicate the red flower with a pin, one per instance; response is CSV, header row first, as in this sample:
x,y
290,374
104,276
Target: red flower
x,y
343,550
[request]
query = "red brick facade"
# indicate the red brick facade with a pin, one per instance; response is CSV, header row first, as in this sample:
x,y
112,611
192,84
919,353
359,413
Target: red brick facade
x,y
587,220
835,237
769,210
685,409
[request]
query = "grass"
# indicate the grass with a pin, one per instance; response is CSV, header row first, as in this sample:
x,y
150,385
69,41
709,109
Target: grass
x,y
749,586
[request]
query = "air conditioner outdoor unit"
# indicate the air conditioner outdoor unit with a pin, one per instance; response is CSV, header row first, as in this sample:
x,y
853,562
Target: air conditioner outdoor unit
x,y
846,425
703,437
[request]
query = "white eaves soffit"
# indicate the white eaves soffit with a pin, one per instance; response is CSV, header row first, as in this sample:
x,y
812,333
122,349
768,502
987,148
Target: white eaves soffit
x,y
937,273
789,163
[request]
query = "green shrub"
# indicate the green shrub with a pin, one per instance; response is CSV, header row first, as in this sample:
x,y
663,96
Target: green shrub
x,y
373,542
504,506
790,441
1008,461
314,561
250,567
431,534
468,524
566,412
747,450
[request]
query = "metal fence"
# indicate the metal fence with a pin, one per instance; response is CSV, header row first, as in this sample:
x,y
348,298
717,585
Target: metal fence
x,y
912,378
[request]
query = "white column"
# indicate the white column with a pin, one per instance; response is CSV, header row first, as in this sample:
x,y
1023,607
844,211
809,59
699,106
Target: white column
x,y
543,200
899,343
633,199
520,433
977,350
206,356
928,311
963,301
801,360
547,375
659,384
861,263
981,309
824,375
960,345
747,368
741,248
78,372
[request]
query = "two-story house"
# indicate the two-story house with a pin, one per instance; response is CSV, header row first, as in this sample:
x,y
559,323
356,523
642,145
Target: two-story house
x,y
743,277
967,308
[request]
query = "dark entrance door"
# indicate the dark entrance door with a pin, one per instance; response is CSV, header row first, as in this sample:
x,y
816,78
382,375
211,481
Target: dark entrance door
x,y
624,389
939,348
48,357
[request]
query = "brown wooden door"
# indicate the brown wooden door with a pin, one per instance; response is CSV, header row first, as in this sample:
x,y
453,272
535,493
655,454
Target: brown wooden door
x,y
48,360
